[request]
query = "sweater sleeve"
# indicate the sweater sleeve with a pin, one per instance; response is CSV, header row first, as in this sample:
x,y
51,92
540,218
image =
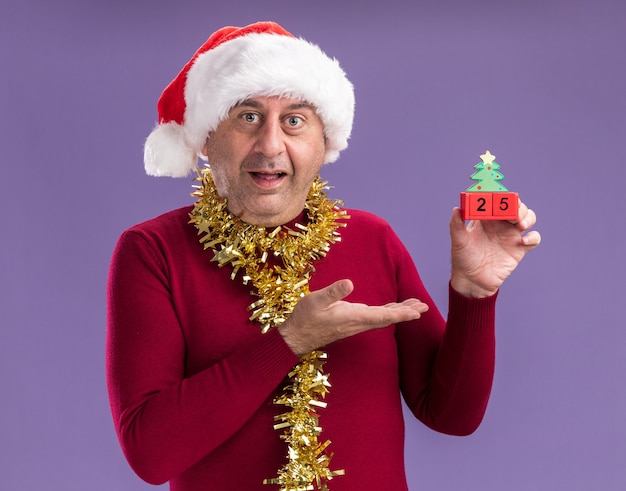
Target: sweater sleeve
x,y
446,367
165,421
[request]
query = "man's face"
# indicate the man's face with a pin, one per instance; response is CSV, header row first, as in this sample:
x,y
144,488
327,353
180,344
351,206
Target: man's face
x,y
264,157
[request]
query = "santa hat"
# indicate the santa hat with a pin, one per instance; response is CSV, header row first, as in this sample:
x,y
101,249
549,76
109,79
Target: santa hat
x,y
234,64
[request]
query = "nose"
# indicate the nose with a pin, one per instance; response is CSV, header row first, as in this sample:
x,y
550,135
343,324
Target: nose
x,y
270,139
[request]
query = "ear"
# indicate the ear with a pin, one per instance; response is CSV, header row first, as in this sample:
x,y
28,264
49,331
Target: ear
x,y
205,148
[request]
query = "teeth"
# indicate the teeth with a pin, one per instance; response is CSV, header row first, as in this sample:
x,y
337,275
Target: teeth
x,y
266,174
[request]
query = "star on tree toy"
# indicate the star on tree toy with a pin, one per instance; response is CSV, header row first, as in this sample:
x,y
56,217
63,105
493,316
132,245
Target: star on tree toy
x,y
488,199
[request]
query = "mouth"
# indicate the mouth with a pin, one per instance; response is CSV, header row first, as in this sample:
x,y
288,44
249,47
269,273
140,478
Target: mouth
x,y
267,179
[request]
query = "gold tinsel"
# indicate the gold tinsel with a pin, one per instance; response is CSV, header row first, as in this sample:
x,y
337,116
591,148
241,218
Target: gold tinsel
x,y
279,287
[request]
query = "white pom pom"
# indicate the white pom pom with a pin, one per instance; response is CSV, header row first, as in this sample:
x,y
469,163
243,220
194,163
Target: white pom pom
x,y
166,152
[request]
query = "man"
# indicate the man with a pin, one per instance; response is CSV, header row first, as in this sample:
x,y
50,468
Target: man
x,y
262,338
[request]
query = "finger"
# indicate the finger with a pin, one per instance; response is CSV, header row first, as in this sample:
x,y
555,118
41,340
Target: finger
x,y
521,211
411,303
531,239
333,293
528,221
399,312
456,216
409,309
457,224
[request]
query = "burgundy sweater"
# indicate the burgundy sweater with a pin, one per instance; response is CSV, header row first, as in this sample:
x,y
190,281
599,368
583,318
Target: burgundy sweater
x,y
191,380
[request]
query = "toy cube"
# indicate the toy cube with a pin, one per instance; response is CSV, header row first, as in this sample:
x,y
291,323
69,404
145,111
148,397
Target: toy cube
x,y
476,206
489,206
505,206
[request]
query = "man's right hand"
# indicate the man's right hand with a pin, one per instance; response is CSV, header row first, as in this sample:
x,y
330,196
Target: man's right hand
x,y
322,317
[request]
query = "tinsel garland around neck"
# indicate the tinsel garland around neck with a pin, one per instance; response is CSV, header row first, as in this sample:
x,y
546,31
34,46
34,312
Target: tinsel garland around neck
x,y
279,284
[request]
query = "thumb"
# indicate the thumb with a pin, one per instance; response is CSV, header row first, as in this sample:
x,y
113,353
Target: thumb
x,y
335,292
457,224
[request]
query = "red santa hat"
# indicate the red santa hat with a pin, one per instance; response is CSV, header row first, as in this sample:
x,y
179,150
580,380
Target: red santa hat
x,y
234,64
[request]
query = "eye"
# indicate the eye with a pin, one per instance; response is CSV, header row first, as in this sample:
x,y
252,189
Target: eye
x,y
250,117
294,121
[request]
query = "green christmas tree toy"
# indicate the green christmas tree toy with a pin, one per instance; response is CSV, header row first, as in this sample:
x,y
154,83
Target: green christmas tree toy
x,y
488,199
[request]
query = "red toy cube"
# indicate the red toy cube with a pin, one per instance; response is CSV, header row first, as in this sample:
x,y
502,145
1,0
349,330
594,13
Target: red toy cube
x,y
505,206
489,206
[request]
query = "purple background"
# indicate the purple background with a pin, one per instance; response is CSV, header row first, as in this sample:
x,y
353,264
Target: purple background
x,y
541,84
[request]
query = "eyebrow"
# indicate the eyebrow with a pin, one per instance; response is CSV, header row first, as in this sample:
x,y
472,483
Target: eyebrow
x,y
296,105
